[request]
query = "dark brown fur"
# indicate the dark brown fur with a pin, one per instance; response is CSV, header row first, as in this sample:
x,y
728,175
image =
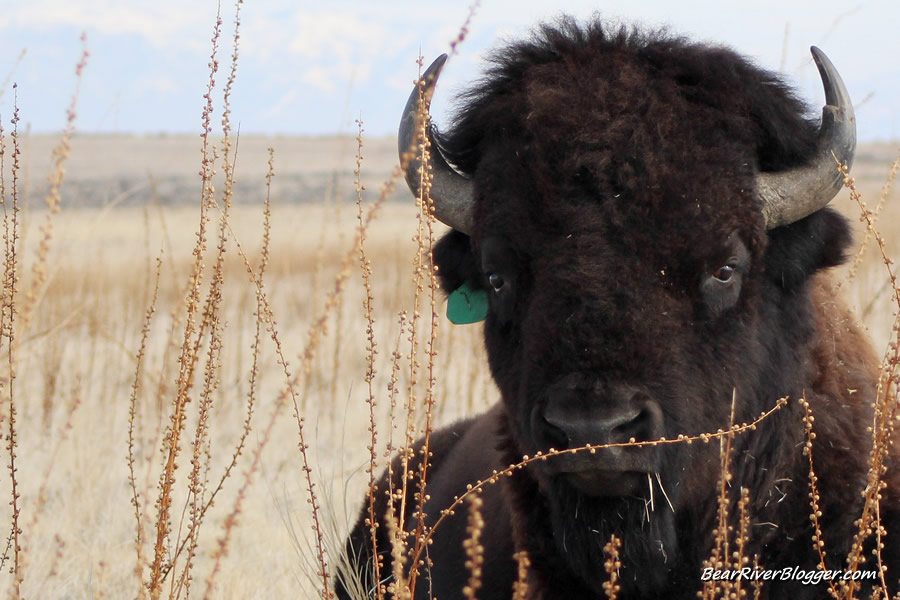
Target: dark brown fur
x,y
615,174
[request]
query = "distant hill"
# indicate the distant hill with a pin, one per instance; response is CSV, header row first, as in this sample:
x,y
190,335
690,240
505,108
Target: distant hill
x,y
135,170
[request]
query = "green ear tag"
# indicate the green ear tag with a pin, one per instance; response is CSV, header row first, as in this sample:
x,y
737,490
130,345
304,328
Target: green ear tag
x,y
466,305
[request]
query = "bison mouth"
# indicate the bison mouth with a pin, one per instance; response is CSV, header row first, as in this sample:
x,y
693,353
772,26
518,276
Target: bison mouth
x,y
605,472
604,483
609,473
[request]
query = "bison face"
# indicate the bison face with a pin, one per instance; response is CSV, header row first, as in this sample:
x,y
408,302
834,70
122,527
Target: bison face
x,y
596,339
643,222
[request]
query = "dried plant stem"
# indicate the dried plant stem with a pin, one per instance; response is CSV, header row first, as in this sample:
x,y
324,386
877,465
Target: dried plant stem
x,y
398,587
371,351
720,555
612,566
256,278
464,30
757,584
12,439
726,434
818,543
189,351
883,423
872,219
740,560
26,313
7,333
406,452
231,520
392,493
53,199
294,382
198,483
162,392
520,587
315,335
132,411
472,545
12,70
257,339
425,282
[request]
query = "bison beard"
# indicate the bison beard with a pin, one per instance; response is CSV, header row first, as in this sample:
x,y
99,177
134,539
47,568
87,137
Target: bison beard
x,y
646,217
580,527
646,540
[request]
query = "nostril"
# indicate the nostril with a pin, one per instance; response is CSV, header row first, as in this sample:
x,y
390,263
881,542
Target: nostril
x,y
554,436
638,429
642,428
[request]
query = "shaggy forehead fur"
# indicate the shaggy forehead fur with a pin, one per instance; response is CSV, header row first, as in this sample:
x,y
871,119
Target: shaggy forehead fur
x,y
640,126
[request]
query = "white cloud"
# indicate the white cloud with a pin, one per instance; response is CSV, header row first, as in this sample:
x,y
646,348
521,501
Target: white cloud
x,y
159,84
326,49
282,105
320,78
294,53
322,34
161,23
264,37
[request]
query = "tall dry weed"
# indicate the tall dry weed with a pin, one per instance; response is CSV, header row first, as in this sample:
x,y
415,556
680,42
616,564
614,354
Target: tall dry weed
x,y
12,328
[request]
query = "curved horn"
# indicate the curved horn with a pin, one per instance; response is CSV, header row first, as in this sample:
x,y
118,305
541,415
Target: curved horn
x,y
788,196
452,194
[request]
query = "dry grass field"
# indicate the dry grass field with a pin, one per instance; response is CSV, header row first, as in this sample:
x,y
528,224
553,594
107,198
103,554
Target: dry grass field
x,y
194,383
75,363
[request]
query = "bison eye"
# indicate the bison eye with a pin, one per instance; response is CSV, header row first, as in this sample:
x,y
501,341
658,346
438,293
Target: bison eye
x,y
496,281
724,274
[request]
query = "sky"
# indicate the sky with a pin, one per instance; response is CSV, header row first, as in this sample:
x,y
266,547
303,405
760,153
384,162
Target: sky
x,y
313,68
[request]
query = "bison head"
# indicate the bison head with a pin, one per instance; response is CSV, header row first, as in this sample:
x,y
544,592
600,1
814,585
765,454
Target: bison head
x,y
643,215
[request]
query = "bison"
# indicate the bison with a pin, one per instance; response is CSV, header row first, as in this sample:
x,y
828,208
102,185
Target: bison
x,y
641,220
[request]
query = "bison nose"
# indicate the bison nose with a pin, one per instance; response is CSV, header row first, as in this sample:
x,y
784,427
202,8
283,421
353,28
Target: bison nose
x,y
574,418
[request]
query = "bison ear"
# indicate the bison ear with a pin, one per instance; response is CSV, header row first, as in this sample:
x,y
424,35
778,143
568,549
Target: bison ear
x,y
799,249
456,262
